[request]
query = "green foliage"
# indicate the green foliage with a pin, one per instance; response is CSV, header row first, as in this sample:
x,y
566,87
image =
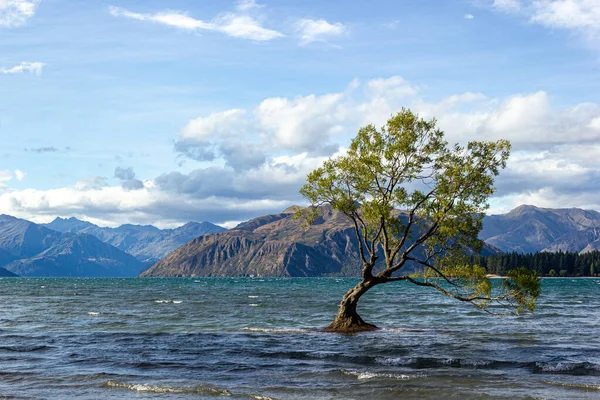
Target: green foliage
x,y
552,273
443,190
523,288
593,269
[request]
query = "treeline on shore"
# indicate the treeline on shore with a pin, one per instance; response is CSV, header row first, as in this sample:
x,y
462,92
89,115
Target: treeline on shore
x,y
562,264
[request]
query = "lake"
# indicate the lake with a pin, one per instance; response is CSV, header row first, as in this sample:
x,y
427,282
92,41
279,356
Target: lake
x,y
259,339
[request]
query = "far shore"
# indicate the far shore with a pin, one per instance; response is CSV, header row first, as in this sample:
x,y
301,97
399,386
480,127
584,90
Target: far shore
x,y
549,277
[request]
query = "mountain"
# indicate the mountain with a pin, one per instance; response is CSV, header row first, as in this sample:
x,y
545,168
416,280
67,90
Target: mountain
x,y
528,229
29,249
6,274
145,242
271,245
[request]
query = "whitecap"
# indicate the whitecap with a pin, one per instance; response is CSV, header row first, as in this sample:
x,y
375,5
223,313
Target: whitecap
x,y
394,361
141,387
374,375
574,385
254,305
93,313
274,330
253,297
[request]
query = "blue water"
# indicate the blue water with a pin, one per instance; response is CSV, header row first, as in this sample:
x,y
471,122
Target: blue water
x,y
258,339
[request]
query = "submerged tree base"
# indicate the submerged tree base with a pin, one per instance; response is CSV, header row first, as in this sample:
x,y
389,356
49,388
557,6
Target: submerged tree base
x,y
353,324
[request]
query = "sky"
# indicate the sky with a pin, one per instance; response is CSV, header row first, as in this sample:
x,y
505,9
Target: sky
x,y
167,111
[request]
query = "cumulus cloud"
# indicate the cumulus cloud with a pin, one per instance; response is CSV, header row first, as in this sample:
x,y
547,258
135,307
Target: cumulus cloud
x,y
469,16
310,30
127,178
261,155
32,67
16,12
216,124
237,25
302,123
113,205
20,175
243,139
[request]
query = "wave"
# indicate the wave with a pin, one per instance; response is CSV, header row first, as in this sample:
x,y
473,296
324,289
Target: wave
x,y
168,301
435,362
581,368
25,349
275,330
561,367
375,375
93,313
583,386
202,390
140,387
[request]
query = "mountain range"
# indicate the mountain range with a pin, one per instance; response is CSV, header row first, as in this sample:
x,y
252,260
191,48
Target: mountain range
x,y
145,242
29,249
70,247
529,229
272,245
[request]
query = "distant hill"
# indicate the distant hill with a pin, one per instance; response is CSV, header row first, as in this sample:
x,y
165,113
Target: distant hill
x,y
29,249
271,245
528,229
145,242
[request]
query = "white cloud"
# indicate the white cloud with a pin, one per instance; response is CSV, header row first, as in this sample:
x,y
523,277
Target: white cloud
x,y
33,67
303,123
469,16
579,16
214,125
261,155
235,25
246,5
16,12
507,5
20,175
5,175
245,27
311,30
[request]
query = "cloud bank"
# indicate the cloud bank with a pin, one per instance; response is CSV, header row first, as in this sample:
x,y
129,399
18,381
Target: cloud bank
x,y
251,161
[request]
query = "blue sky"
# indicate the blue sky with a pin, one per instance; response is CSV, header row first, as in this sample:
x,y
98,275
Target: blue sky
x,y
167,111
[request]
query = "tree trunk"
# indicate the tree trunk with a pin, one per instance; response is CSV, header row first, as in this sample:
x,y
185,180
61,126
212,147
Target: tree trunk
x,y
347,319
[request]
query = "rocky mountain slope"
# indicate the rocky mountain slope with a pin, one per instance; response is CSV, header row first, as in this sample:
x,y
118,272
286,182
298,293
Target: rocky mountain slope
x,y
145,242
6,274
271,245
29,249
528,229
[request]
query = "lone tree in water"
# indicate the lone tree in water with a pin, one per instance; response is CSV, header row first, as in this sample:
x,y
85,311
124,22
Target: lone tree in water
x,y
443,190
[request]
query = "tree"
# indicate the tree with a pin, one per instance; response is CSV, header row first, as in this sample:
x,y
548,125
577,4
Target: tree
x,y
443,190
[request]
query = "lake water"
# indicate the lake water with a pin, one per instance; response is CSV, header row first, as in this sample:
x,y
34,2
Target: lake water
x,y
258,339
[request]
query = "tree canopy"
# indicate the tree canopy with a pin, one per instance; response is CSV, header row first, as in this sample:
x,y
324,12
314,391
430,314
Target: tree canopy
x,y
414,199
